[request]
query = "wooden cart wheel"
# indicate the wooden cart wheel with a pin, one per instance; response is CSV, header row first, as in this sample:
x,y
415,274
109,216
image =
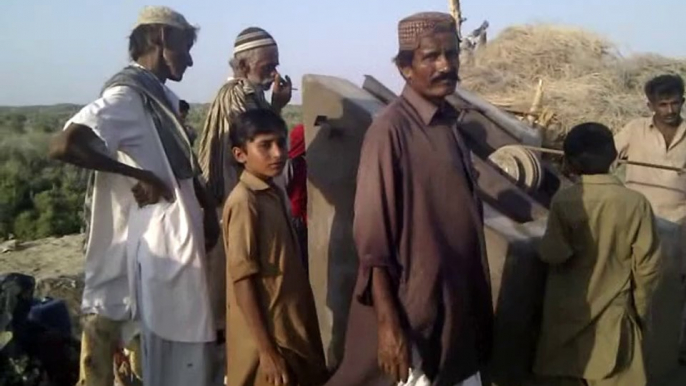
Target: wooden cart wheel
x,y
521,164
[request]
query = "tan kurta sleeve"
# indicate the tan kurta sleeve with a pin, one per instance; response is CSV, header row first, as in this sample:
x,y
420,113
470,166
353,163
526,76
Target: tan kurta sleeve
x,y
646,257
240,237
554,247
375,226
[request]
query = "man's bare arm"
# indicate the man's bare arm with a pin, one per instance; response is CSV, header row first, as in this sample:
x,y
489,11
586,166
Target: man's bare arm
x,y
394,351
272,364
210,217
77,145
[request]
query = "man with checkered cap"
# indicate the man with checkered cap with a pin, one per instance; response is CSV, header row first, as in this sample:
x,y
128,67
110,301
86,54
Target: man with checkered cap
x,y
421,311
147,230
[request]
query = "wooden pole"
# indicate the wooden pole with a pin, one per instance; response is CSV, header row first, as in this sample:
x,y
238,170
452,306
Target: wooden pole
x,y
456,11
621,161
536,104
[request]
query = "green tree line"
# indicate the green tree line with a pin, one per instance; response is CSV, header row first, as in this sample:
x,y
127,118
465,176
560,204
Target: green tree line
x,y
39,197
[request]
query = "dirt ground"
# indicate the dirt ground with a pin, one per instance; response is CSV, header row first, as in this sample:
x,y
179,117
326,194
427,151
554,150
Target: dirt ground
x,y
57,265
46,258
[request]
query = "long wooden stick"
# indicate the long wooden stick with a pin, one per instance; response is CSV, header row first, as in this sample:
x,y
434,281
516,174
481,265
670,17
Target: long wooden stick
x,y
621,161
536,104
456,11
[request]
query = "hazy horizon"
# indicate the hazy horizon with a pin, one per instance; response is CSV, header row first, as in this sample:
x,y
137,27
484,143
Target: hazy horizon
x,y
62,52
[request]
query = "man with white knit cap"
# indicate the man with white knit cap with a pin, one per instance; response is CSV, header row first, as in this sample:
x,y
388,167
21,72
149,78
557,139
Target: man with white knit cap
x,y
150,218
254,63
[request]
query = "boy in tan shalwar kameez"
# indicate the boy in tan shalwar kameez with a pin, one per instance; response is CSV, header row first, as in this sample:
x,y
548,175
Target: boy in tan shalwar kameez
x,y
604,257
272,336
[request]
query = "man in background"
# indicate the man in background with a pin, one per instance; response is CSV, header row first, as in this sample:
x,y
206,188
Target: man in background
x,y
661,139
254,63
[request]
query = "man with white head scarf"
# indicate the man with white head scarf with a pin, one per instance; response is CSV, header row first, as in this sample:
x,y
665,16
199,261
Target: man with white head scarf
x,y
147,229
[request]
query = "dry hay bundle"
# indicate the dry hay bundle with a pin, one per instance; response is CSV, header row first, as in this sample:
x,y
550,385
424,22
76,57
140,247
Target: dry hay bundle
x,y
584,76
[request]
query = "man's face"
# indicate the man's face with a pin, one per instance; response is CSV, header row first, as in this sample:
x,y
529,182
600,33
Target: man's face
x,y
435,66
667,109
177,53
183,115
265,156
263,67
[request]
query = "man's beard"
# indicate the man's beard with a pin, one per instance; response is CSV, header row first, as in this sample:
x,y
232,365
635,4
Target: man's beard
x,y
263,85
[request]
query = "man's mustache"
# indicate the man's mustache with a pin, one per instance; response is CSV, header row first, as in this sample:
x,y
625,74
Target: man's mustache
x,y
446,76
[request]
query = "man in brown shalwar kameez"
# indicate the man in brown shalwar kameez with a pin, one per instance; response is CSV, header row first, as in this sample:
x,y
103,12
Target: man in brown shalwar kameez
x,y
422,311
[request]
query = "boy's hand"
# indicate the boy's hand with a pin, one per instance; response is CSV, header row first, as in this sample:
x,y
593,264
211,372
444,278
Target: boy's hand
x,y
273,368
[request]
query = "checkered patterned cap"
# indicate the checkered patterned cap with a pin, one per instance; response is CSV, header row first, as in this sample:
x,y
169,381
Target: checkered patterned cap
x,y
413,28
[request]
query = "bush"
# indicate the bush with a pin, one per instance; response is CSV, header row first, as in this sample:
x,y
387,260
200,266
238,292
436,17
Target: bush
x,y
39,197
25,225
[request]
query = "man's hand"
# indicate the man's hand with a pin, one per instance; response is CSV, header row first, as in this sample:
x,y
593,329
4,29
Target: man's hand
x,y
281,92
273,367
150,189
394,352
212,231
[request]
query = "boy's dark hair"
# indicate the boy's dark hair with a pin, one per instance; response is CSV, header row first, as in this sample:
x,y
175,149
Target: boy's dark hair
x,y
145,37
184,107
252,123
662,86
590,148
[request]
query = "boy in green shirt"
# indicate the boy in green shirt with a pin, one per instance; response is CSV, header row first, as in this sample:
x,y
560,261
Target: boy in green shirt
x,y
604,255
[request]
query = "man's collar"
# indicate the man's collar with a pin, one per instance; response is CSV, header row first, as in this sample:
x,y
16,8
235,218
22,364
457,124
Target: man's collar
x,y
600,179
426,110
253,182
678,136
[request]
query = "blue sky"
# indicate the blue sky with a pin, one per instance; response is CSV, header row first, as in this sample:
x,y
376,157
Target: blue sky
x,y
57,51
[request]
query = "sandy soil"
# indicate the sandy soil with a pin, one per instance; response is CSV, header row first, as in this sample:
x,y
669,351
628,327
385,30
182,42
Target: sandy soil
x,y
46,258
57,265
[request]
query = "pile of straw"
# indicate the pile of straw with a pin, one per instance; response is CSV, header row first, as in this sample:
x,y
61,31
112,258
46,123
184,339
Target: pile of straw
x,y
584,76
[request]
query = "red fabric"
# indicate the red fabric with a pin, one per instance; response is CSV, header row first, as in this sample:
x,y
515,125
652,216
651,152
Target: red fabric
x,y
297,186
297,142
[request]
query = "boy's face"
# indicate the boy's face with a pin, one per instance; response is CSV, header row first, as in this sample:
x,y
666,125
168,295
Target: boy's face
x,y
265,156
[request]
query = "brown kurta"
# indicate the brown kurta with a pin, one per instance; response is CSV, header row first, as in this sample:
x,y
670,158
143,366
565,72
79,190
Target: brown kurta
x,y
260,243
417,215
